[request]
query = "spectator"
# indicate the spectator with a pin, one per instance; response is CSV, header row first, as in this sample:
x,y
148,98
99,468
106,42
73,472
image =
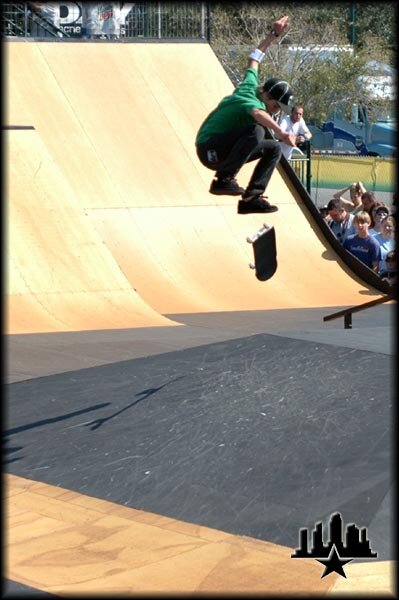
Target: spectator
x,y
393,210
295,124
378,214
356,190
341,222
323,210
362,244
368,201
390,273
386,240
234,132
393,207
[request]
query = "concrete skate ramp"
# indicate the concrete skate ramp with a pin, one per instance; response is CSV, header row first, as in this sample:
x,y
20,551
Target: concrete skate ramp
x,y
110,221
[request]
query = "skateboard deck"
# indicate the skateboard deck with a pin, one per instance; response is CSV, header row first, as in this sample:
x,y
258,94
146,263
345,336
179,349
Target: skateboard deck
x,y
265,252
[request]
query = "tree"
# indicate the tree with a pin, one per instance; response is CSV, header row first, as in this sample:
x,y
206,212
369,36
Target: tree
x,y
319,79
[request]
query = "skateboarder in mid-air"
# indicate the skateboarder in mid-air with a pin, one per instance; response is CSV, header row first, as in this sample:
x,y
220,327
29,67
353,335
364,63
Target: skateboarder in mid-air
x,y
234,132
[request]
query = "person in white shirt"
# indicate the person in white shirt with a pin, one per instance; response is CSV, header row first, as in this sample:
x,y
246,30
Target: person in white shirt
x,y
294,123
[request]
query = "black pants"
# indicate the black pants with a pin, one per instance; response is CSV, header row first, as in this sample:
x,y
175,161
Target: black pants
x,y
227,152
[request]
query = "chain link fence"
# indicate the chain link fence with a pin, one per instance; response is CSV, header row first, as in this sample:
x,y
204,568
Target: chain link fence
x,y
324,174
156,20
330,173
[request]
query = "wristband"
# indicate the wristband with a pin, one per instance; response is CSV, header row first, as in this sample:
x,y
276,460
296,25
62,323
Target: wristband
x,y
274,33
257,55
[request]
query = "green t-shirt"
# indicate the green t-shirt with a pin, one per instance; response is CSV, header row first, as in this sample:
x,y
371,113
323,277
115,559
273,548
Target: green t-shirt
x,y
233,111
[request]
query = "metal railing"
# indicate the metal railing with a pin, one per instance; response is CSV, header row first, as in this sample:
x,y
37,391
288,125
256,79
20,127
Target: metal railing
x,y
346,313
117,20
21,19
302,165
183,20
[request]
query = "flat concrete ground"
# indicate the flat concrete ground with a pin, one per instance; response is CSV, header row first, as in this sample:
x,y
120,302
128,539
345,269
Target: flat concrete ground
x,y
257,424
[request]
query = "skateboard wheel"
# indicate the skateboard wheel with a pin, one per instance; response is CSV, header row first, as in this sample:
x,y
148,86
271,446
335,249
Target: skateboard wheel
x,y
266,226
251,266
249,240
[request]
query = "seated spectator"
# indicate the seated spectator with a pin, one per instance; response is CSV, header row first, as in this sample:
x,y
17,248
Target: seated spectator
x,y
295,123
356,190
341,222
390,273
378,213
386,240
362,245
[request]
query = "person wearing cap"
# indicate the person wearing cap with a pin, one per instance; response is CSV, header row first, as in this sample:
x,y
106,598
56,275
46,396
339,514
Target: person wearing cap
x,y
234,132
323,210
378,213
295,123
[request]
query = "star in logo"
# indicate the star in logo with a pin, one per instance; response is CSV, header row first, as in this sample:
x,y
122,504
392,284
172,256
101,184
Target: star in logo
x,y
333,563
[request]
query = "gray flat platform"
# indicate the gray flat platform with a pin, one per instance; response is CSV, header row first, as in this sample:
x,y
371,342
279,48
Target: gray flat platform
x,y
41,354
14,589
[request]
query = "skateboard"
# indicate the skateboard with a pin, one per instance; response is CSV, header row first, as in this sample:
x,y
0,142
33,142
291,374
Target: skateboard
x,y
265,252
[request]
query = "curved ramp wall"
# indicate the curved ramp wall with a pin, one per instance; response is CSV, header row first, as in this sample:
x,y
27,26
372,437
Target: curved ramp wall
x,y
61,276
110,222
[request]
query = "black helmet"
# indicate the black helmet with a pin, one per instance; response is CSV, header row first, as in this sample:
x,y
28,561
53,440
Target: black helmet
x,y
280,91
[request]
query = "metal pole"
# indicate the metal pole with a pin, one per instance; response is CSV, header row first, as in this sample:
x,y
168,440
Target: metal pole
x,y
159,20
146,22
348,321
209,11
309,167
352,18
26,19
202,20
